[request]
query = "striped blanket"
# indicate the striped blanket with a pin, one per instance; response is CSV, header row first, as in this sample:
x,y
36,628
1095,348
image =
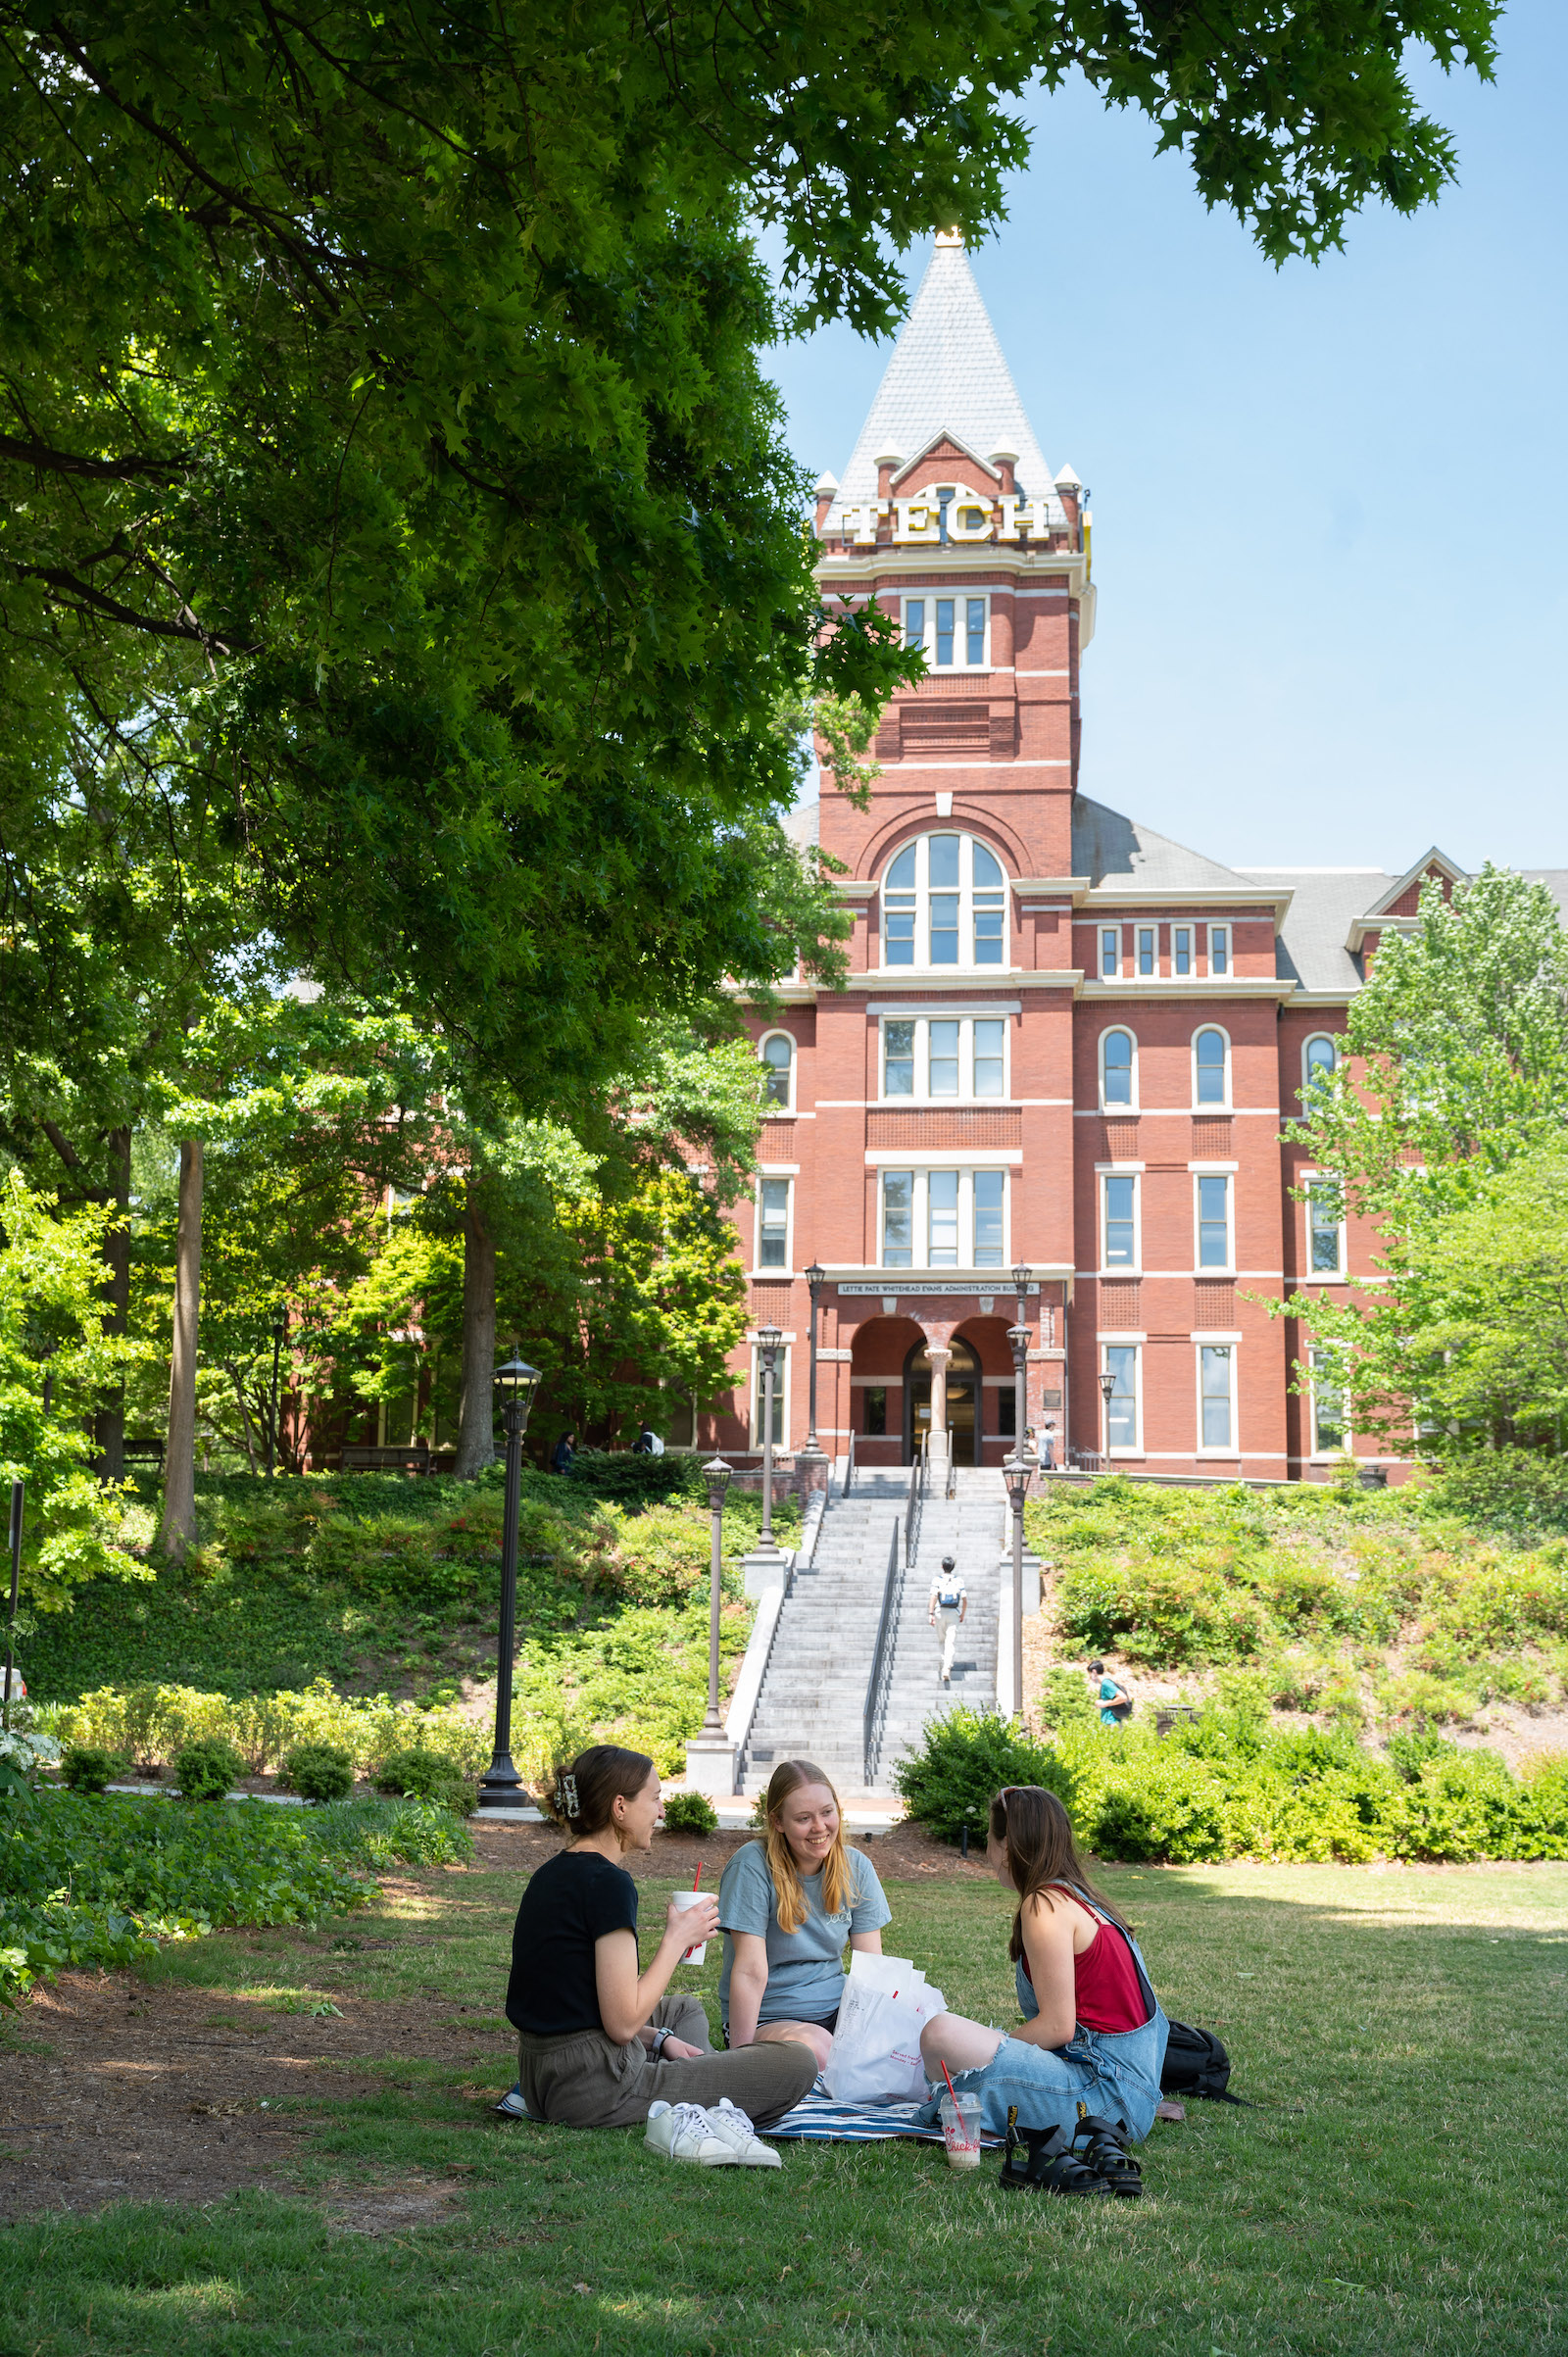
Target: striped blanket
x,y
818,2120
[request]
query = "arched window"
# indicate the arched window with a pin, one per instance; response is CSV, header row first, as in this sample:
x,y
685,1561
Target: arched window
x,y
1211,1068
778,1070
944,904
1319,1055
1116,1068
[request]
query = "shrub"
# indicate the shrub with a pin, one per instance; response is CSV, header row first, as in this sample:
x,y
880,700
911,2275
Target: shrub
x,y
629,1480
206,1770
689,1813
421,1775
88,1768
1066,1699
1509,1489
318,1772
965,1759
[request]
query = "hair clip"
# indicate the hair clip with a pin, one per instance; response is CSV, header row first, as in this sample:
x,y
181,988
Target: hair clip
x,y
566,1796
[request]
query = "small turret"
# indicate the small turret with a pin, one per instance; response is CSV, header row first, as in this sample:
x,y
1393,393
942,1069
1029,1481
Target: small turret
x,y
826,489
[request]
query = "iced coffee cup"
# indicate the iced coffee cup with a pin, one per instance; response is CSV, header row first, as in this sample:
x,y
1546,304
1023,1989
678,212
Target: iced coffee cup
x,y
961,2130
691,1899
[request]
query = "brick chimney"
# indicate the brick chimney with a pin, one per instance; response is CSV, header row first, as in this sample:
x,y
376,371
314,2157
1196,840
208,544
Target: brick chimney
x,y
826,488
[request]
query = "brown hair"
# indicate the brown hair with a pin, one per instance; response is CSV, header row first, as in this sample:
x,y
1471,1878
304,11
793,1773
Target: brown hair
x,y
583,1795
839,1884
1042,1849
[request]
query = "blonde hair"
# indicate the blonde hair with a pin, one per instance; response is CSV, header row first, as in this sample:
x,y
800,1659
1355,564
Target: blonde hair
x,y
840,1887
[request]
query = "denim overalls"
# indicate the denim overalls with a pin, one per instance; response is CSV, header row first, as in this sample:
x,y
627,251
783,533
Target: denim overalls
x,y
1116,2072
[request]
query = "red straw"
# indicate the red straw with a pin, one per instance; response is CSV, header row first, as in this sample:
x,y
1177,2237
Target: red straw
x,y
697,1878
951,2090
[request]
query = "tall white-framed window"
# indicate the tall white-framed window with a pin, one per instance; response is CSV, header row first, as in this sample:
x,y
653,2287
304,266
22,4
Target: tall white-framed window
x,y
1212,1205
953,630
1109,953
1325,1225
944,904
1118,1222
1219,948
1327,1403
1146,949
1118,1071
776,1052
1211,1067
1181,949
943,1218
773,1200
1216,1396
1319,1059
927,1058
781,1388
1121,1361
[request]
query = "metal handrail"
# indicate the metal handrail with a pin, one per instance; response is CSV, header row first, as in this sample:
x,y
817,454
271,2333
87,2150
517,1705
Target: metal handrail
x,y
919,1478
951,1489
879,1685
848,1470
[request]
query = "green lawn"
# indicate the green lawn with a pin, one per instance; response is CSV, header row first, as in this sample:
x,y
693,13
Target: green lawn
x,y
1401,2190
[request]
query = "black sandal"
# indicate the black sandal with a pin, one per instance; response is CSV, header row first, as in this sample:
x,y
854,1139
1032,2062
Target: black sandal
x,y
1040,2160
1102,2144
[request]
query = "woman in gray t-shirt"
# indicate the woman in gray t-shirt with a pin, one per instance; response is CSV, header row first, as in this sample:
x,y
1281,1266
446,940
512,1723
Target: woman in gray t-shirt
x,y
786,1906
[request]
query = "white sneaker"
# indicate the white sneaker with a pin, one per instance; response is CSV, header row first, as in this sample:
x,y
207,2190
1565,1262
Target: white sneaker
x,y
684,2134
735,2130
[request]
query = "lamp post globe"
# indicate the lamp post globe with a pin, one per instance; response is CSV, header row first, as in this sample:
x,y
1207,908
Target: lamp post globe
x,y
1108,1393
501,1787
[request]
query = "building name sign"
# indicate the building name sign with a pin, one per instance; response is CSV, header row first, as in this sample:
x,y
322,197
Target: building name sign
x,y
922,1293
935,516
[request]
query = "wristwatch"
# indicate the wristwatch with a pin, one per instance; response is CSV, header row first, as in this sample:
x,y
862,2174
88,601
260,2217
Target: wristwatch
x,y
657,2045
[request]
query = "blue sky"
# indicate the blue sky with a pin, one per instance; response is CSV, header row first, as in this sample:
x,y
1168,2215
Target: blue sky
x,y
1329,513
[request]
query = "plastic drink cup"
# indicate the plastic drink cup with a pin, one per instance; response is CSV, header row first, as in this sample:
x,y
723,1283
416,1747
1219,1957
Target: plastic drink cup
x,y
691,1899
960,2129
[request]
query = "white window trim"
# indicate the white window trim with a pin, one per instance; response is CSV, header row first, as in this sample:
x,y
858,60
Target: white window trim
x,y
966,1171
781,1396
1229,1269
1103,934
1228,970
1310,1274
1316,1455
921,889
1308,1042
922,1096
961,633
1233,1446
1225,1104
1122,1449
778,1032
1110,1170
1152,932
1131,1107
788,1177
1191,931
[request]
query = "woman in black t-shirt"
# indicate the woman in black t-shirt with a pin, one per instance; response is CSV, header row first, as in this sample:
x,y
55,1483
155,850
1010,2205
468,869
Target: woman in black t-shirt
x,y
598,2040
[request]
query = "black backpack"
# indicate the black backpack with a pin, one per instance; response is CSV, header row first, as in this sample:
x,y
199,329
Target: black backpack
x,y
1196,2064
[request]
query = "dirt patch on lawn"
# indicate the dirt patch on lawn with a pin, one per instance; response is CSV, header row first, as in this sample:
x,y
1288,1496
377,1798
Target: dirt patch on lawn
x,y
112,2091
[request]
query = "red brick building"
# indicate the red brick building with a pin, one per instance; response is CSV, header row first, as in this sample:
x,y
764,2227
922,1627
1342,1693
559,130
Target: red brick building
x,y
1069,1044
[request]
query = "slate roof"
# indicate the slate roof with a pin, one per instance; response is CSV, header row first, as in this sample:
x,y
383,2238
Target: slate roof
x,y
1555,880
948,372
1109,849
1310,947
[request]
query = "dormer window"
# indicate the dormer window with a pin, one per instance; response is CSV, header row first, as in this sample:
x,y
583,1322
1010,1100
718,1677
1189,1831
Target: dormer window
x,y
944,904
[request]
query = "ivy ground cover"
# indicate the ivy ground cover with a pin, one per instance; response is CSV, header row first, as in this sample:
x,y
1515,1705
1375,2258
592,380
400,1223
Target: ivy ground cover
x,y
1400,2189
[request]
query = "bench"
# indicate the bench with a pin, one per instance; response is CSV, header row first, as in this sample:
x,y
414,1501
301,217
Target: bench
x,y
1167,1714
413,1458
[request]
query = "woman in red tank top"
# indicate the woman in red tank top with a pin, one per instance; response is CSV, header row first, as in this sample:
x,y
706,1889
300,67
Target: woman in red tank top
x,y
1092,2028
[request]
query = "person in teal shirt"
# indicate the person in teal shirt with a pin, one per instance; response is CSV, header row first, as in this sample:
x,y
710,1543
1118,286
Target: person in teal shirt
x,y
786,1906
1116,1702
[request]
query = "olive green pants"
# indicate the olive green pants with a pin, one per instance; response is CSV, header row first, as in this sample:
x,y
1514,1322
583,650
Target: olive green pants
x,y
584,2080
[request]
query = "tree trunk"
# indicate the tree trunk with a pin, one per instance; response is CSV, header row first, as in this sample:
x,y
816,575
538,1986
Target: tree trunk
x,y
476,1418
108,1425
179,1463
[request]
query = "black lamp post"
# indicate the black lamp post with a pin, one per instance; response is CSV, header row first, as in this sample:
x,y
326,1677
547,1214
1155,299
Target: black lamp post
x,y
279,1329
1016,1473
1107,1391
768,1340
501,1787
1020,1358
716,1473
816,1278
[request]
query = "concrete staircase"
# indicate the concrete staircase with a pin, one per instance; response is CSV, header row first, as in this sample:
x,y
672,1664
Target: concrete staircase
x,y
812,1700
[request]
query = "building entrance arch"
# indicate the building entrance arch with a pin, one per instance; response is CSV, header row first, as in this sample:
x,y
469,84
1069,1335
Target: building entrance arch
x,y
964,1401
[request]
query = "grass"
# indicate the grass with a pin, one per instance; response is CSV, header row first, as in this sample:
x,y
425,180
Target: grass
x,y
1402,2189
